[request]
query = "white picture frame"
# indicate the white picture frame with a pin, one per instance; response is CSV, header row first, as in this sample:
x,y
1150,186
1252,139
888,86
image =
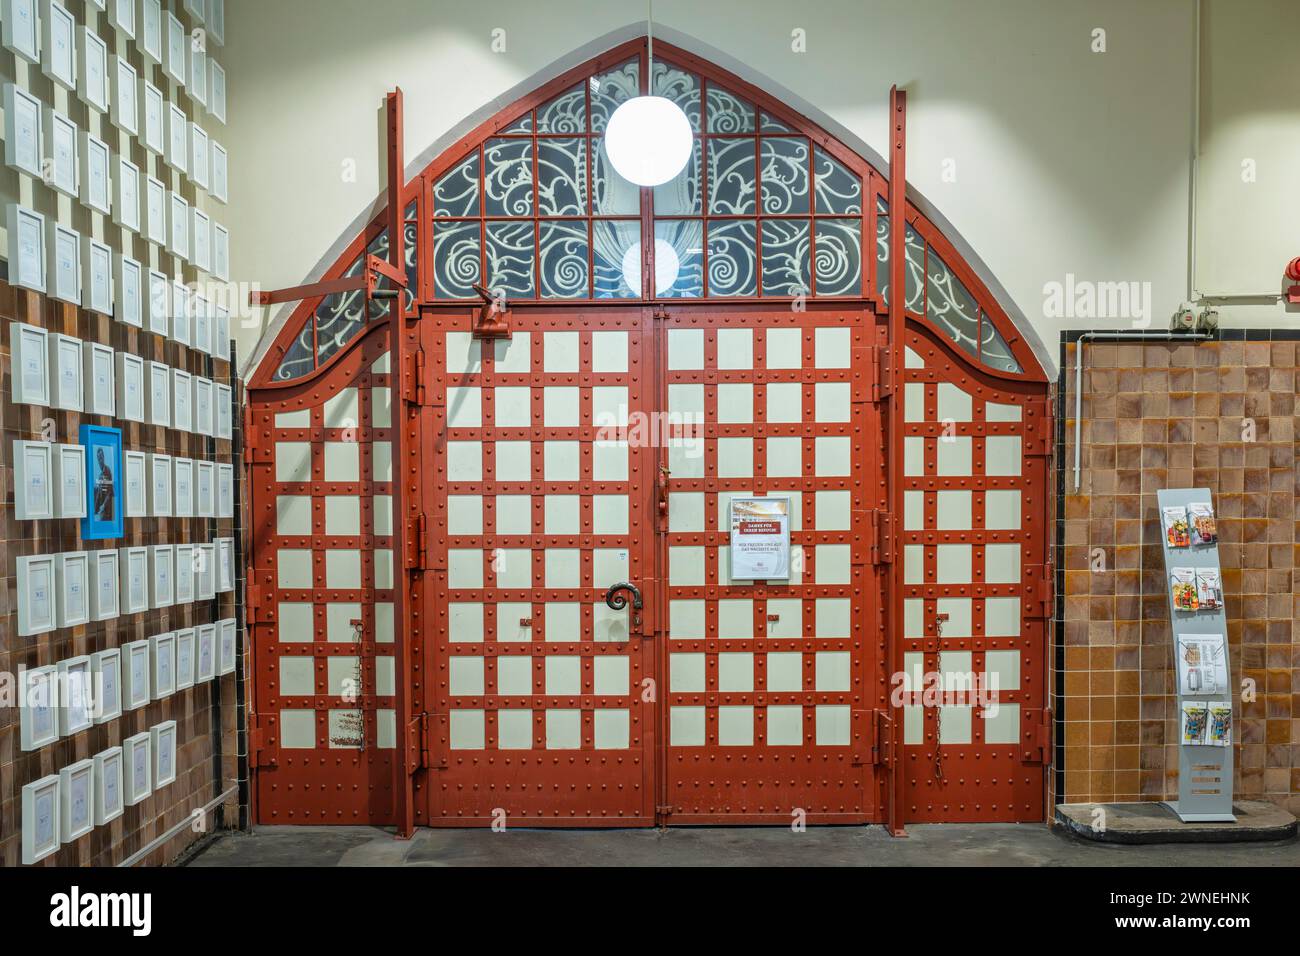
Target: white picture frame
x,y
228,647
201,256
76,696
221,256
164,753
126,95
134,562
202,332
60,153
137,667
20,29
220,326
137,751
92,73
225,565
217,21
178,139
198,67
129,283
72,586
103,584
38,707
134,498
36,588
205,481
153,112
182,312
41,805
158,397
97,280
160,487
184,658
59,44
202,406
184,573
217,91
66,390
33,480
222,411
175,42
162,575
162,656
126,195
123,17
70,485
160,303
205,572
29,352
76,800
150,35
179,234
106,672
95,178
182,496
195,9
182,394
65,264
23,122
200,155
108,785
205,653
130,386
26,247
220,172
225,490
99,378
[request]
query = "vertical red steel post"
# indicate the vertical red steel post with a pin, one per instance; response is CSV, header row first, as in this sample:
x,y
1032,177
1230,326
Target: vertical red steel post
x,y
405,808
897,323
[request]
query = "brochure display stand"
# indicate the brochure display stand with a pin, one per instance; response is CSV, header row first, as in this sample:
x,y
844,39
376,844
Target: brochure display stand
x,y
1200,638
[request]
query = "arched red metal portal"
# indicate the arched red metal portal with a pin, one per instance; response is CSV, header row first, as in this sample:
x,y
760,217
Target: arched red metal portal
x,y
602,441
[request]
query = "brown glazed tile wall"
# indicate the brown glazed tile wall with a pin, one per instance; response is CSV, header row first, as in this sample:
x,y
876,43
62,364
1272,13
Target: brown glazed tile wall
x,y
1218,415
205,714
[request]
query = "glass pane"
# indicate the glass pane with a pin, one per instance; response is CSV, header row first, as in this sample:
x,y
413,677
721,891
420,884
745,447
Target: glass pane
x,y
951,307
681,87
456,265
994,351
612,242
564,260
729,113
785,175
915,271
508,179
510,258
379,249
562,177
410,252
610,89
456,193
341,316
732,249
567,113
838,257
785,257
731,177
613,195
522,125
680,196
679,259
298,360
882,254
839,191
767,123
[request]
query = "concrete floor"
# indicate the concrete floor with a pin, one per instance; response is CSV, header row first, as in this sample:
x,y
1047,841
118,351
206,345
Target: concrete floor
x,y
930,845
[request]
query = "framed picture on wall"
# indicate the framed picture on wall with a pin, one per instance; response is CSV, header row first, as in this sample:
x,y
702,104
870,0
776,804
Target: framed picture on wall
x,y
97,259
225,491
26,243
139,767
130,292
77,796
59,44
164,752
126,95
160,487
227,646
150,35
69,482
35,593
22,130
162,651
202,315
205,573
220,316
217,95
92,79
158,397
200,155
184,658
60,152
134,563
160,302
201,256
76,711
182,393
72,587
222,411
18,24
104,479
162,562
182,492
33,480
134,494
136,668
184,573
65,264
219,171
96,191
29,348
178,139
205,653
225,564
130,386
126,195
99,378
40,819
108,785
106,671
179,234
65,368
204,489
195,9
176,42
221,256
155,203
217,21
182,312
198,87
153,111
202,405
38,717
103,584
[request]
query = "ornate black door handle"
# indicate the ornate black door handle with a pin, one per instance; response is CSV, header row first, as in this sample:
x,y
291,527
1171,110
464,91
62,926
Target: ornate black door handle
x,y
615,599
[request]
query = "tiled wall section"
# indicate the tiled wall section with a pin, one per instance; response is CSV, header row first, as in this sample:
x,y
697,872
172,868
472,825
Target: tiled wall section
x,y
205,713
1160,415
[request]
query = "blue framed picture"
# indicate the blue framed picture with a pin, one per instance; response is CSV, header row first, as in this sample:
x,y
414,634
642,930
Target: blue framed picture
x,y
103,482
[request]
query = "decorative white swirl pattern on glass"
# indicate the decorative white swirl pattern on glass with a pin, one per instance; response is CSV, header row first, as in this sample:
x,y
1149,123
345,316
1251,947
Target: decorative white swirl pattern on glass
x,y
784,163
786,247
732,254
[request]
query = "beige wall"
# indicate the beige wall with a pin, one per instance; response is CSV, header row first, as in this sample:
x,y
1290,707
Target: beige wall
x,y
1067,161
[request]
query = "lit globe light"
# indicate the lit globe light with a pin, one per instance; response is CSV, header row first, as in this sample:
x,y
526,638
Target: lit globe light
x,y
648,140
667,265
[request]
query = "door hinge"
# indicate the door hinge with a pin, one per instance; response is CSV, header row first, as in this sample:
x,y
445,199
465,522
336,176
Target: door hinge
x,y
417,548
1036,735
417,750
415,382
259,753
665,810
257,443
259,609
1040,435
882,541
1038,584
865,386
435,742
879,738
884,373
